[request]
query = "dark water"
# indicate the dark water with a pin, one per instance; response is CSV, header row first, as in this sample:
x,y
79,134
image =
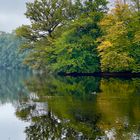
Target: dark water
x,y
68,108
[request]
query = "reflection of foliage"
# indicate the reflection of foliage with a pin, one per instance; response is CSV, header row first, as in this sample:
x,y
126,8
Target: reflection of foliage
x,y
12,87
48,125
71,100
119,104
120,97
53,86
23,113
75,109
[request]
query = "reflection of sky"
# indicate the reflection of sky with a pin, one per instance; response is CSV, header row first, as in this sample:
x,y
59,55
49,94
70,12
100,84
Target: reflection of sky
x,y
10,127
12,14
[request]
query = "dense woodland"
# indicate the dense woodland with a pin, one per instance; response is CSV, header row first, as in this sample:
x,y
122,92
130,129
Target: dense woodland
x,y
82,36
10,56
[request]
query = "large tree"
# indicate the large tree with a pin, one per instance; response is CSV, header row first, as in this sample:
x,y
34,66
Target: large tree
x,y
76,49
120,50
45,17
50,18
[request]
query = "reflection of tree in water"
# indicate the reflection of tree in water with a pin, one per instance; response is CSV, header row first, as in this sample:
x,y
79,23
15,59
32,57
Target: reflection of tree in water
x,y
59,86
49,127
119,103
68,111
12,87
120,98
45,125
82,108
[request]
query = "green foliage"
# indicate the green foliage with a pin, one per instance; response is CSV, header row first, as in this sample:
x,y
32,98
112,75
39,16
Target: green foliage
x,y
120,48
54,48
9,51
46,16
80,36
75,50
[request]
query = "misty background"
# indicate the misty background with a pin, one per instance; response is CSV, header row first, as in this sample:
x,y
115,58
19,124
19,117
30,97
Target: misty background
x,y
12,14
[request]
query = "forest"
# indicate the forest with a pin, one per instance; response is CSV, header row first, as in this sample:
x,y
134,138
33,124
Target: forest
x,y
82,36
10,56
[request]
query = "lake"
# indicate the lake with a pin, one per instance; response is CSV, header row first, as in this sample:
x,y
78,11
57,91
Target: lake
x,y
47,107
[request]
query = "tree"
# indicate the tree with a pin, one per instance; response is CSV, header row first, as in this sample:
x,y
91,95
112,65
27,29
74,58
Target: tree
x,y
45,17
10,58
76,49
49,19
136,4
119,50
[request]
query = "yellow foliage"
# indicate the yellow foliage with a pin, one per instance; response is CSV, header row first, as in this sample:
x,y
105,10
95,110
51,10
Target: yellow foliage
x,y
137,37
104,45
107,20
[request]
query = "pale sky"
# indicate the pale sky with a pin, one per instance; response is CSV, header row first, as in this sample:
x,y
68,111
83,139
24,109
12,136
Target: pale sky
x,y
12,14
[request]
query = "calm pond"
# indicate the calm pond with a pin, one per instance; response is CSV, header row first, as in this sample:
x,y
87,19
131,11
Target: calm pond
x,y
34,107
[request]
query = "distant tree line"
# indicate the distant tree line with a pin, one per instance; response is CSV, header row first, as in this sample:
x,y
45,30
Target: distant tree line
x,y
10,58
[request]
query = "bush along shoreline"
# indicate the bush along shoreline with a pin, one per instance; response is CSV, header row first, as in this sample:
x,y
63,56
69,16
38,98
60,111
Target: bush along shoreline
x,y
103,74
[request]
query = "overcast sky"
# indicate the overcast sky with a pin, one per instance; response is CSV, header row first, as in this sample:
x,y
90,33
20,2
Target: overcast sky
x,y
12,14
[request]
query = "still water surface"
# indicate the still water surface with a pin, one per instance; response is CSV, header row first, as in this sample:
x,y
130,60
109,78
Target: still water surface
x,y
34,107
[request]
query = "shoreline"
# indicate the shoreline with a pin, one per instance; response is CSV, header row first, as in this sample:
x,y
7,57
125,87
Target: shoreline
x,y
102,74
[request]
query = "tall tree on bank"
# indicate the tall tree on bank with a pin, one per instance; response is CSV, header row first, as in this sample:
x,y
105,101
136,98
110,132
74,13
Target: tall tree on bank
x,y
49,18
120,50
76,49
46,17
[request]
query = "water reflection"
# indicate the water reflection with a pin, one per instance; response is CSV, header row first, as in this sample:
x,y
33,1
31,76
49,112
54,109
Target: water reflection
x,y
68,108
12,91
12,86
119,103
81,108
